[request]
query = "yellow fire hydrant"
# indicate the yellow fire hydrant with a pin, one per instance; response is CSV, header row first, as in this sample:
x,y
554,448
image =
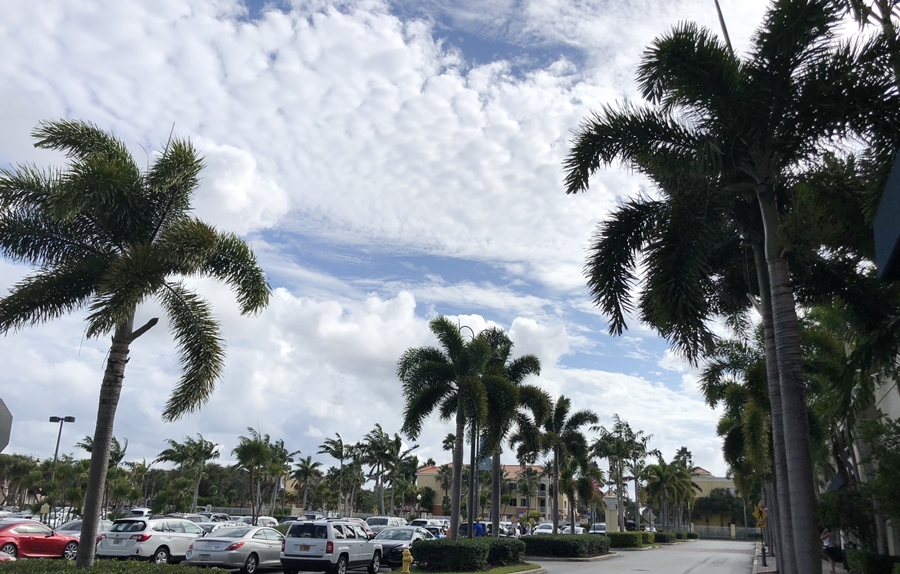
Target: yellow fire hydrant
x,y
407,560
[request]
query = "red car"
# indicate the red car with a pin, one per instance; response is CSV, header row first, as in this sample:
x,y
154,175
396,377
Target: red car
x,y
30,539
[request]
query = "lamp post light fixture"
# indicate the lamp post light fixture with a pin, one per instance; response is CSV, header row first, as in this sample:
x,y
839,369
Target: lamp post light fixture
x,y
61,421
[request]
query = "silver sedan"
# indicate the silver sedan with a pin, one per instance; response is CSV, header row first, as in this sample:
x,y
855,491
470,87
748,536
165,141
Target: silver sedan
x,y
246,547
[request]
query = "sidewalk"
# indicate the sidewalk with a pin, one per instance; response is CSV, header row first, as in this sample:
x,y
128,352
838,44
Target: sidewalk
x,y
772,564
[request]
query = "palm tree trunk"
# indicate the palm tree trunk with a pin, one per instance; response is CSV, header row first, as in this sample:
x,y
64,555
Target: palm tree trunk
x,y
781,500
110,390
496,470
637,499
380,484
793,400
620,492
305,492
572,515
392,496
197,488
456,488
556,490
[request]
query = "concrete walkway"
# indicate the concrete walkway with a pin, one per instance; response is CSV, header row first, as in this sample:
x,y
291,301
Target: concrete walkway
x,y
772,564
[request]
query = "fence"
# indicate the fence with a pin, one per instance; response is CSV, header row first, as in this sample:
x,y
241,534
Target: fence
x,y
724,532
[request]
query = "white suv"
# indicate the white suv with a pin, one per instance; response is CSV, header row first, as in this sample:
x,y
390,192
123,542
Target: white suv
x,y
329,546
159,539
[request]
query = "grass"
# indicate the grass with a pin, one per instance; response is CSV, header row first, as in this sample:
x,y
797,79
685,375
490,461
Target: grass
x,y
498,570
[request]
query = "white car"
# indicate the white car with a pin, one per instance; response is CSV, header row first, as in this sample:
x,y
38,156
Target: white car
x,y
267,521
545,528
329,546
161,540
568,530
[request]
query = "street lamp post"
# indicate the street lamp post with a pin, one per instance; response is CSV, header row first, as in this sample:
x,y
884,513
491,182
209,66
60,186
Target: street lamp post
x,y
61,421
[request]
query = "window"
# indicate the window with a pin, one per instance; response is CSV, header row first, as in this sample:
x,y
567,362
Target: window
x,y
174,526
159,527
260,535
307,530
543,487
360,533
513,486
338,532
349,532
129,526
192,528
272,535
523,502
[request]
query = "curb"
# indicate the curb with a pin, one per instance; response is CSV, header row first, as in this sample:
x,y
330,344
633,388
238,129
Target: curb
x,y
540,570
561,559
756,551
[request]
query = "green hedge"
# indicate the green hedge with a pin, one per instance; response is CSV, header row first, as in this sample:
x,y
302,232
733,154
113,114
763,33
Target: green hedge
x,y
681,535
896,568
566,545
503,551
100,567
445,555
693,536
648,538
626,539
665,537
864,563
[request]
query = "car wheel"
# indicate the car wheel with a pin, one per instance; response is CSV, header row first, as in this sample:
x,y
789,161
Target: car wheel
x,y
341,566
10,549
161,556
251,564
70,551
375,566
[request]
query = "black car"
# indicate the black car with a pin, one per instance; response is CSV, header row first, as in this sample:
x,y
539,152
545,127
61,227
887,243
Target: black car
x,y
394,539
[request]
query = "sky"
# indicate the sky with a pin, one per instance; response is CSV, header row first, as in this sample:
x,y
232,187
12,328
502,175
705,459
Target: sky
x,y
389,162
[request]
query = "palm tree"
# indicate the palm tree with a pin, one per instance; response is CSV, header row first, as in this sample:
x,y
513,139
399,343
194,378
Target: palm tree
x,y
445,478
508,398
616,445
306,473
376,453
191,455
106,235
562,436
447,380
756,122
252,454
335,448
278,468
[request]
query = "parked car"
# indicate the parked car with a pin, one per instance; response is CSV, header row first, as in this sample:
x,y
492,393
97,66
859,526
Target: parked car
x,y
161,540
362,523
598,528
73,527
395,539
630,526
377,523
246,547
138,511
210,527
30,539
568,530
329,546
543,528
260,521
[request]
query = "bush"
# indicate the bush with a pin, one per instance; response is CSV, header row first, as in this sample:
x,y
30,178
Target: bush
x,y
870,563
503,551
896,568
648,537
681,535
445,555
566,545
100,567
693,536
626,539
665,537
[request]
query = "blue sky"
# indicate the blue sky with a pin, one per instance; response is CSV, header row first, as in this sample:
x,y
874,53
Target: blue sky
x,y
388,162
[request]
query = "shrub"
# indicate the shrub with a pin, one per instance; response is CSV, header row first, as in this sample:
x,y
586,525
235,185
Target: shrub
x,y
100,567
648,537
447,555
896,568
625,539
503,551
566,545
870,563
681,535
665,537
693,535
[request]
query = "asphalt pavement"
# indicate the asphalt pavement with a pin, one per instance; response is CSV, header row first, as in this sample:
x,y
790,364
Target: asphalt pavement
x,y
689,557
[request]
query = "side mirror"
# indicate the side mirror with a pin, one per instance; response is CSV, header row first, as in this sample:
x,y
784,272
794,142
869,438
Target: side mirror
x,y
371,535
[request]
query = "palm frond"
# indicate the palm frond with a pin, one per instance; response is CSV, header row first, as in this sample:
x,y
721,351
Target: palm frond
x,y
448,335
27,186
234,263
521,367
49,294
29,236
420,406
171,182
200,347
187,246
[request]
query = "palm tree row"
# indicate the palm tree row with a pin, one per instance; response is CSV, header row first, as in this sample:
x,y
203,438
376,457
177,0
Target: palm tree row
x,y
742,155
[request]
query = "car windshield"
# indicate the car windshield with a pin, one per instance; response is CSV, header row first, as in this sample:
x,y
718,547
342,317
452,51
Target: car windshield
x,y
232,532
394,534
71,525
376,521
308,531
128,526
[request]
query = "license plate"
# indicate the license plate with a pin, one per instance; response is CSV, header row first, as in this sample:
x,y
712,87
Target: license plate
x,y
204,557
303,547
117,540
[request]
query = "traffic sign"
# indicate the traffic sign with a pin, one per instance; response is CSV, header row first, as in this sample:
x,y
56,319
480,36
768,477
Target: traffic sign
x,y
5,425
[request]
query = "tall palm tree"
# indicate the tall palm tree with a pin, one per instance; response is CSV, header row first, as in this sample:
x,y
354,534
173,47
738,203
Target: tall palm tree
x,y
192,455
278,469
528,485
252,454
616,445
445,478
305,474
447,380
106,235
752,124
562,436
335,448
376,449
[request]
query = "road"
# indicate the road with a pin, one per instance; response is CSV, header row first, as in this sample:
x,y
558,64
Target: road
x,y
700,557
